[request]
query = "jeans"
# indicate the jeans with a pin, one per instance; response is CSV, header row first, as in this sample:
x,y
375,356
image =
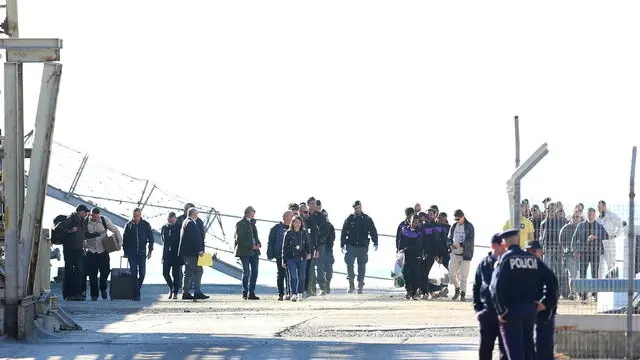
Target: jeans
x,y
98,263
138,265
361,254
249,273
172,273
192,275
283,279
297,269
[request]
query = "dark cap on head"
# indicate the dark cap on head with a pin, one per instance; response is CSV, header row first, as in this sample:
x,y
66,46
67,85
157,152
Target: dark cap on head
x,y
422,214
95,210
433,208
509,233
496,239
172,214
357,203
458,213
534,244
82,208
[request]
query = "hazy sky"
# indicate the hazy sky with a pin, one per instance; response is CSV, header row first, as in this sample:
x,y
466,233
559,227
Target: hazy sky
x,y
263,103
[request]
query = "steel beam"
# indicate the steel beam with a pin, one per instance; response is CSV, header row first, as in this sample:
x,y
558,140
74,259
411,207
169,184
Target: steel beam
x,y
30,232
76,178
513,185
10,176
32,50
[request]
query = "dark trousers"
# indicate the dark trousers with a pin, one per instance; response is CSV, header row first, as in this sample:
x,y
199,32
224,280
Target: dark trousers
x,y
586,258
489,332
249,273
192,275
412,272
328,265
98,263
360,254
517,332
545,329
138,266
172,272
74,274
427,264
309,276
283,279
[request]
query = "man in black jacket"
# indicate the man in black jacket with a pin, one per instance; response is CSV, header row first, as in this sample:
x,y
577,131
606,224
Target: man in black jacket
x,y
191,247
357,229
319,257
329,260
312,229
137,237
274,251
74,283
171,262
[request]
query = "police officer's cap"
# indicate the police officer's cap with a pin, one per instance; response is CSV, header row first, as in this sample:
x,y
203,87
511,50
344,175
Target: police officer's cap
x,y
509,233
534,244
496,239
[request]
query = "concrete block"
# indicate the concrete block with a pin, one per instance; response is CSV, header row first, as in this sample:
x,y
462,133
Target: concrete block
x,y
598,336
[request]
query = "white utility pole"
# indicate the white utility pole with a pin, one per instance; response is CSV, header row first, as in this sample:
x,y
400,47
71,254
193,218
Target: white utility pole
x,y
23,221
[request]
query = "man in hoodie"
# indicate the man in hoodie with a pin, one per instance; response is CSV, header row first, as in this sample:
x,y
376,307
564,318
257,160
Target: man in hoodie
x,y
97,256
613,225
248,246
190,249
462,240
570,260
136,239
357,229
171,262
408,214
74,255
274,251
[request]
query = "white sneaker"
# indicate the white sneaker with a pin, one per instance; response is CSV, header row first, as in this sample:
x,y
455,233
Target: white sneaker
x,y
300,298
294,297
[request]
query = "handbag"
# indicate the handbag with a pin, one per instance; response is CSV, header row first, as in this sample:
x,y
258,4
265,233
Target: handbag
x,y
110,243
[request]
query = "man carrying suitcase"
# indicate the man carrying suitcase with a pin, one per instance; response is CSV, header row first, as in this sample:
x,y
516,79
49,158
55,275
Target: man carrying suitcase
x,y
137,236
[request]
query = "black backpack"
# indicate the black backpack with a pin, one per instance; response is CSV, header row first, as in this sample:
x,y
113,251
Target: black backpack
x,y
58,235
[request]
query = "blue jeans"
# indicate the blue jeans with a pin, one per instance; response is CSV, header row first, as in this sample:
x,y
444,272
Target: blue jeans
x,y
249,273
297,269
138,265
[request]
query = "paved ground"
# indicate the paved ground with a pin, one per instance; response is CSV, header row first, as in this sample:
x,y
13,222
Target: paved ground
x,y
375,325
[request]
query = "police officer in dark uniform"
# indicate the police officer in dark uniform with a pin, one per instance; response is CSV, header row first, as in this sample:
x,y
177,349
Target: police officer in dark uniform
x,y
487,316
547,306
516,287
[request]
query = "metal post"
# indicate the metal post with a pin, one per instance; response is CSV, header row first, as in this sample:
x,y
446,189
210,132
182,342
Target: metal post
x,y
144,191
10,177
148,197
517,126
513,185
631,260
76,178
31,228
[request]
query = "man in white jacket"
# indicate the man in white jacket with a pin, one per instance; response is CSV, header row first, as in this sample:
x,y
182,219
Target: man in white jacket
x,y
97,256
613,225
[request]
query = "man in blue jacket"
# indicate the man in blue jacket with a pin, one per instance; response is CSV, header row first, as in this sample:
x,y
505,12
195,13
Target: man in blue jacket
x,y
135,240
190,249
485,311
274,251
587,244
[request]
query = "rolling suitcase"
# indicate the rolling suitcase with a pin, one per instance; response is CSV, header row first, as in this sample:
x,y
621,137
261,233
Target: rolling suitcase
x,y
121,287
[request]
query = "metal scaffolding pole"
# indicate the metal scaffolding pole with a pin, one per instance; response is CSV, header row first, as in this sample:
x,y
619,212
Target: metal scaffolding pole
x,y
513,185
31,228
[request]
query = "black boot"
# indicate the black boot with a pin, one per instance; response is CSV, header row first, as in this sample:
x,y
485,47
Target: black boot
x,y
462,296
244,295
327,287
456,295
360,287
352,287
